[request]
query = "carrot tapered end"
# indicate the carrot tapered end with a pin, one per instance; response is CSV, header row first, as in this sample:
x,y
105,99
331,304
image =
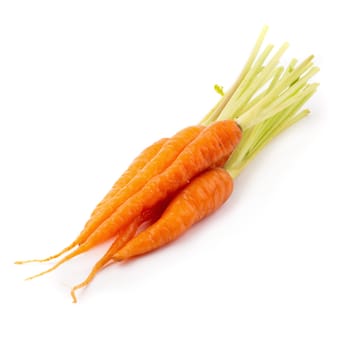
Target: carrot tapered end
x,y
81,249
72,293
65,250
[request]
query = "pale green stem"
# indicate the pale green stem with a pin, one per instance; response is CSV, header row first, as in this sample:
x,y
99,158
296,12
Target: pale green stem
x,y
276,75
230,109
264,101
252,75
214,113
255,115
275,108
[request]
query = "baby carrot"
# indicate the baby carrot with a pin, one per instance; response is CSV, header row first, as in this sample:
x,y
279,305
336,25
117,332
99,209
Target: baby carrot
x,y
165,149
164,157
201,197
121,237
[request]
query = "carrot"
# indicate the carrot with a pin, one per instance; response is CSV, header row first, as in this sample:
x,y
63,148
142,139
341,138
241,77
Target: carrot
x,y
166,155
121,237
211,145
170,147
137,164
201,197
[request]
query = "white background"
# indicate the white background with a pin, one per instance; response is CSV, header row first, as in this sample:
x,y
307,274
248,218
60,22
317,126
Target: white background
x,y
85,86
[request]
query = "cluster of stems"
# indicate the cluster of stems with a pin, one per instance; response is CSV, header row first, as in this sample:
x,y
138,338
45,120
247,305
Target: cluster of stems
x,y
266,99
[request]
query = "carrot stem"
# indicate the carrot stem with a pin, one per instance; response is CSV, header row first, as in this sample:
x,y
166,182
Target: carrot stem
x,y
266,101
215,112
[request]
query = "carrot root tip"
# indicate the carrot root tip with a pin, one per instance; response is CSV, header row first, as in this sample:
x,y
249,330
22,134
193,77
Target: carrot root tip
x,y
74,297
20,262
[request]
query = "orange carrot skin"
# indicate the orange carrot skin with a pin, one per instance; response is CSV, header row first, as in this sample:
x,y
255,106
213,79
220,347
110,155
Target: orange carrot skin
x,y
214,142
138,163
197,149
127,233
164,157
148,215
154,165
201,197
121,237
134,168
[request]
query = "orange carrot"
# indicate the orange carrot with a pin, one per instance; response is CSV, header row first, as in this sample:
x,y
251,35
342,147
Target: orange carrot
x,y
211,145
167,149
138,163
201,197
166,155
121,237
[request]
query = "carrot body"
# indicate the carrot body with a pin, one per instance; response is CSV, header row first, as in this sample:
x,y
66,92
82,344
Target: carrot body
x,y
213,144
156,158
201,197
165,156
137,164
122,236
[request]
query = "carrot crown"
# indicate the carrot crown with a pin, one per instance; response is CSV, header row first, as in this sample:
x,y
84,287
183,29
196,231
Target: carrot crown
x,y
265,100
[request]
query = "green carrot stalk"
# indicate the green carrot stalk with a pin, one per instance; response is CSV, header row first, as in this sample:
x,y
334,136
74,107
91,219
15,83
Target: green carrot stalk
x,y
265,100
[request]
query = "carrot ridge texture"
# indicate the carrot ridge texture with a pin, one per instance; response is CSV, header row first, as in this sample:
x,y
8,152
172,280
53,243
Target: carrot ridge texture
x,y
149,217
137,164
214,142
166,155
202,196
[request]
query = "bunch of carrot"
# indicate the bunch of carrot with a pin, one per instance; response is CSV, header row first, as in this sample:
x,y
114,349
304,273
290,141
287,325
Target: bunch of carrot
x,y
180,180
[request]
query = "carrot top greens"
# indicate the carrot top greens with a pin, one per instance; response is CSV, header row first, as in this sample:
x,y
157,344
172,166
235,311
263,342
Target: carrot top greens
x,y
265,100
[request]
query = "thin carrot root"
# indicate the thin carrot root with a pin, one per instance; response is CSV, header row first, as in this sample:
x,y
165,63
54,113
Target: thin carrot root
x,y
63,251
134,168
99,265
147,218
118,243
81,249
